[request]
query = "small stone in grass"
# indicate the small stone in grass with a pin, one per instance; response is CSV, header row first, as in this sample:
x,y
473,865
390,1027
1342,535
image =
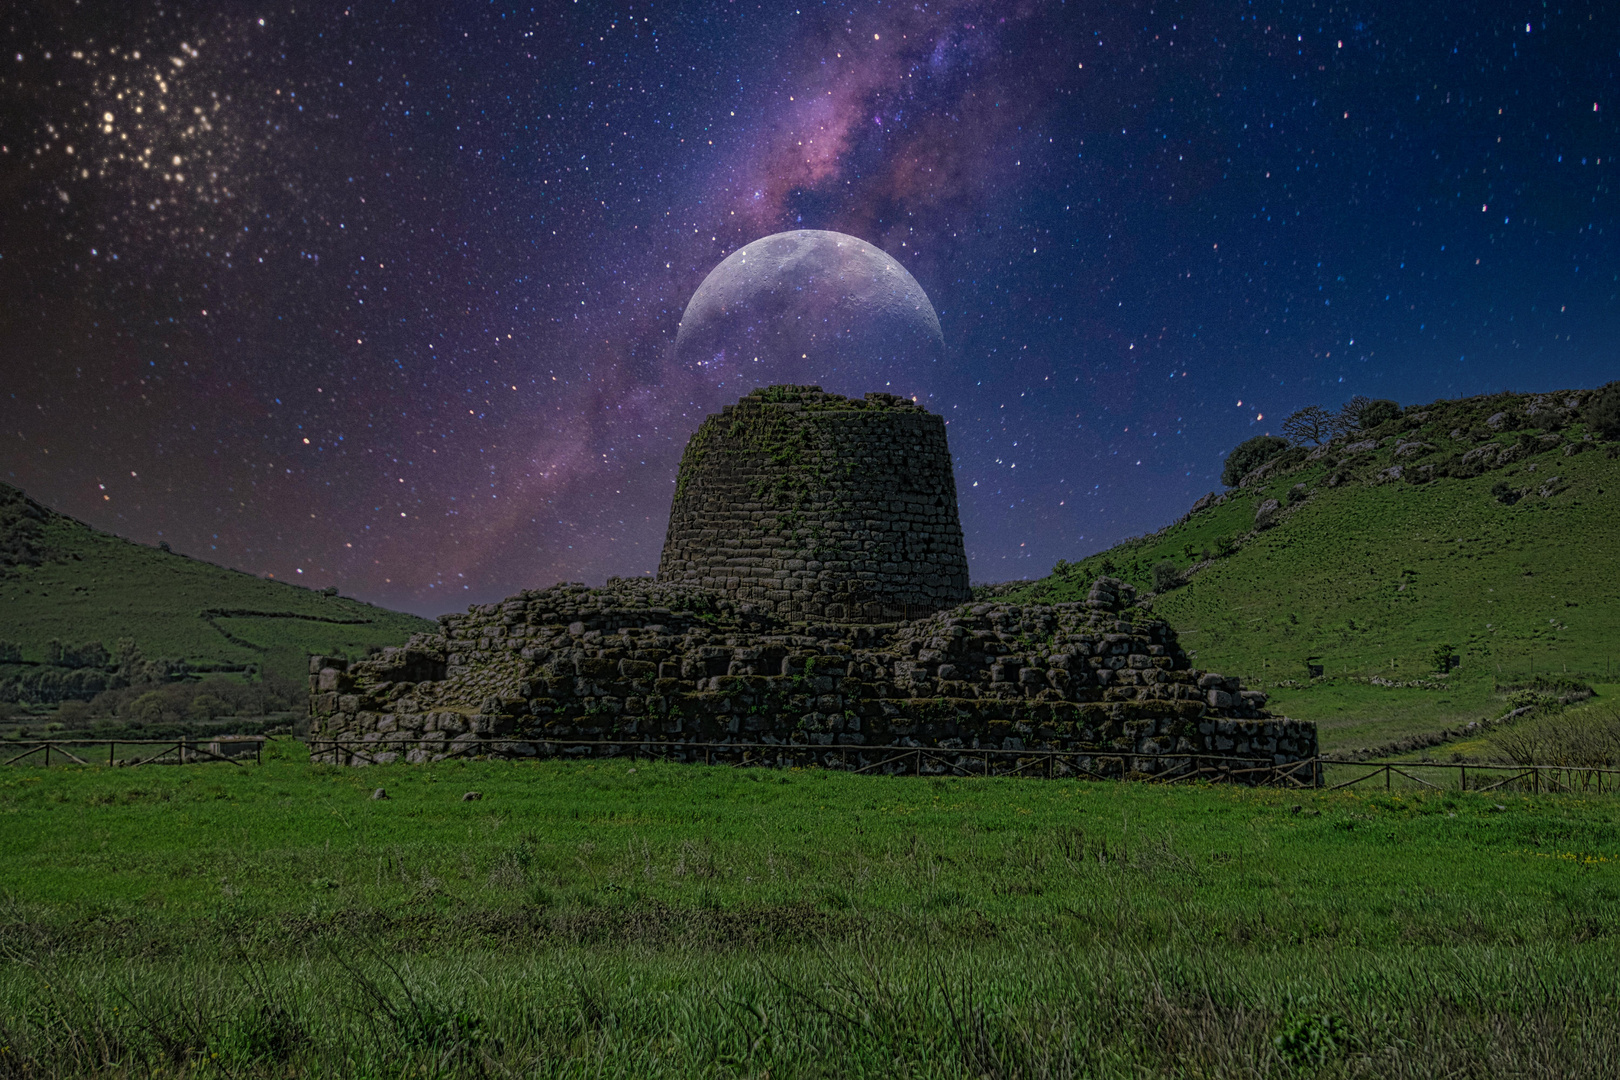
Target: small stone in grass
x,y
632,772
379,794
472,796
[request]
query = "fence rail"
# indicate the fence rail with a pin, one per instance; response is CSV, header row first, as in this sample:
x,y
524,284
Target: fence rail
x,y
915,760
1541,777
860,758
181,751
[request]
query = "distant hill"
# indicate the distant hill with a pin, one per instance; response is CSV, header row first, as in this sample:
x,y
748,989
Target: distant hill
x,y
69,595
1490,524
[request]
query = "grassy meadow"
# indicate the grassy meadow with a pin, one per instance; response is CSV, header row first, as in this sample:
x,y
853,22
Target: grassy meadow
x,y
627,918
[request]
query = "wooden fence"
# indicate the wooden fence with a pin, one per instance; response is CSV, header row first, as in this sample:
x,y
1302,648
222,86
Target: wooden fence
x,y
182,751
1486,777
890,759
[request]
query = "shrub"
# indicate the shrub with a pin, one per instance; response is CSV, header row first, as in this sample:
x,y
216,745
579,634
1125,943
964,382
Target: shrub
x,y
1372,413
10,652
1165,576
1603,413
1580,739
1250,455
1441,656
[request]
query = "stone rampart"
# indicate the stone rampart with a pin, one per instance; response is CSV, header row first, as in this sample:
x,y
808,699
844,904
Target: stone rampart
x,y
809,505
669,667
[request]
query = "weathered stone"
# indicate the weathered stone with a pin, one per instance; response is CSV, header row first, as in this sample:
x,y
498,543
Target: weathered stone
x,y
858,495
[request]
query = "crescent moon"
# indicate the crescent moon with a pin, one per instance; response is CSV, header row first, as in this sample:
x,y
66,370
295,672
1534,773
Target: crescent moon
x,y
810,301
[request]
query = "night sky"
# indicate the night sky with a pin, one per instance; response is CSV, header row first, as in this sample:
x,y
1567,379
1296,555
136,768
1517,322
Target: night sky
x,y
385,296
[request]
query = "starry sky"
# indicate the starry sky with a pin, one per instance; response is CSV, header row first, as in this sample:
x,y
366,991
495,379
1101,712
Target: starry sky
x,y
384,296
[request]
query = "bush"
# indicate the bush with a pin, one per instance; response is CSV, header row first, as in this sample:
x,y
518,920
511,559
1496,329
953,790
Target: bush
x,y
1581,739
1373,413
1165,576
1603,413
1250,455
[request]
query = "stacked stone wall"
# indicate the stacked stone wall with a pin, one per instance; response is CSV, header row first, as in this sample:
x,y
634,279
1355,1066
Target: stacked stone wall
x,y
669,670
809,505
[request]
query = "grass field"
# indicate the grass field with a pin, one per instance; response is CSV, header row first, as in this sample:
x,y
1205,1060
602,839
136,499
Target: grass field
x,y
645,919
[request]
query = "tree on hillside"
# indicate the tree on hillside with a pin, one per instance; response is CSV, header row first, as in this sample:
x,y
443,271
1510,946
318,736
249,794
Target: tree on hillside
x,y
1250,455
1603,414
1312,424
1362,412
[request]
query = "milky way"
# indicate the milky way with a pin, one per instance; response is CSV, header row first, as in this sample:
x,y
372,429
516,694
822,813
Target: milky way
x,y
385,296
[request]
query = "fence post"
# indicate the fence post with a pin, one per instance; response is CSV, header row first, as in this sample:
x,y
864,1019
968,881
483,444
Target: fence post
x,y
47,755
110,747
1387,780
1462,772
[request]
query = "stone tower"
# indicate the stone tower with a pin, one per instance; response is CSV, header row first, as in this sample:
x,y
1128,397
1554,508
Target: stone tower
x,y
814,506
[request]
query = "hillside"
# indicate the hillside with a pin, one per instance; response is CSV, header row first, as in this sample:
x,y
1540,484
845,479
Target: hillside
x,y
1487,524
62,581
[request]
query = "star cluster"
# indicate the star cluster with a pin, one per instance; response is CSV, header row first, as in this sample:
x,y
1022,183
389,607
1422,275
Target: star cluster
x,y
384,296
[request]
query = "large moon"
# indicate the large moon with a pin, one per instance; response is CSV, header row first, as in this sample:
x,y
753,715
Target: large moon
x,y
810,302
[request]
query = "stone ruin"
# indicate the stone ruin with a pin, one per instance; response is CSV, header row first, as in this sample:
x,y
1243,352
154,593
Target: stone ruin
x,y
724,658
814,506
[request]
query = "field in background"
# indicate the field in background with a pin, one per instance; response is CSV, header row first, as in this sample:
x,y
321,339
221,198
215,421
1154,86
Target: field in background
x,y
1368,578
91,586
638,919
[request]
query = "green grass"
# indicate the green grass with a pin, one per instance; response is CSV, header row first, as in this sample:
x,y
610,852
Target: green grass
x,y
1367,579
638,919
91,586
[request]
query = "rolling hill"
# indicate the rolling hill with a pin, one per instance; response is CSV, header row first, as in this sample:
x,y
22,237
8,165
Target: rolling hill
x,y
70,594
1484,528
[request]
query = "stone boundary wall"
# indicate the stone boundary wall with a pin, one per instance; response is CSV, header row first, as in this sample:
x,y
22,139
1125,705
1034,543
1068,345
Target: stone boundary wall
x,y
814,506
661,666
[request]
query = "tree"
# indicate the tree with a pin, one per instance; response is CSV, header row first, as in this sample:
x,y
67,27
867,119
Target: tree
x,y
1603,413
1249,455
1165,576
1350,412
1312,424
1440,656
1361,413
1376,412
